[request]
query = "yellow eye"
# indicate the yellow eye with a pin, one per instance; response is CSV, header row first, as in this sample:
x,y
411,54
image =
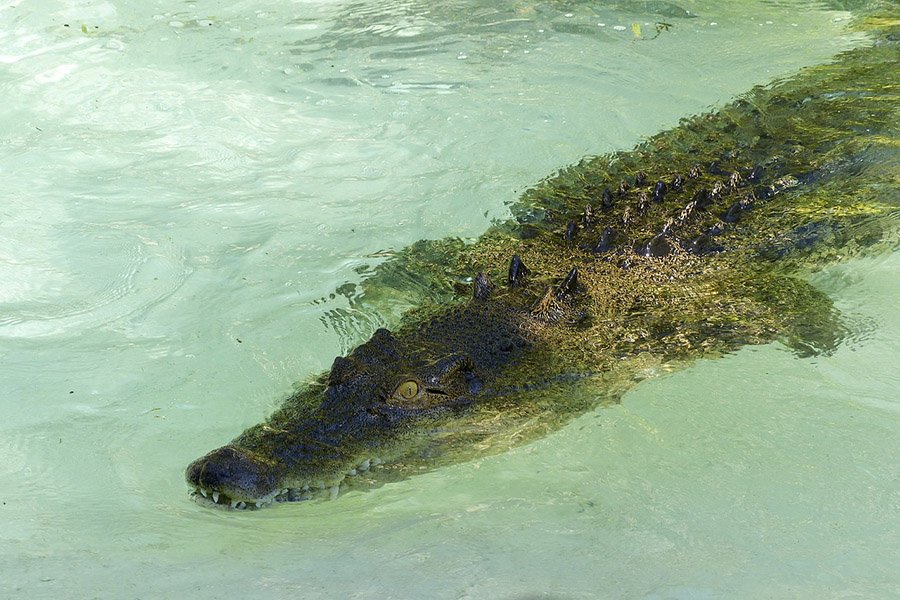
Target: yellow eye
x,y
408,390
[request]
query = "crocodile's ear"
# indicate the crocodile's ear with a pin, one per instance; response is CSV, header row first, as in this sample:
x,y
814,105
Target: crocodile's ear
x,y
517,271
483,286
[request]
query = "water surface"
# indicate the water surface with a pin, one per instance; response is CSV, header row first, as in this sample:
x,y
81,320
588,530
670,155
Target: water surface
x,y
189,188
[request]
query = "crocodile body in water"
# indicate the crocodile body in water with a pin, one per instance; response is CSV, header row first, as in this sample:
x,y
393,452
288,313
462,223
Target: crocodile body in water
x,y
688,246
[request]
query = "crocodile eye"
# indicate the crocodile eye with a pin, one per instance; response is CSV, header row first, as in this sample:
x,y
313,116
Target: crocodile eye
x,y
408,390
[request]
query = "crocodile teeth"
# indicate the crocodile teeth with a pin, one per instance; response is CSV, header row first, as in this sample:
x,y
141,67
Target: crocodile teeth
x,y
335,490
364,466
234,503
241,505
203,491
215,497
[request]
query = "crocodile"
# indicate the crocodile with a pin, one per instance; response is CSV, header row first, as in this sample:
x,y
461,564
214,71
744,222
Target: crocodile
x,y
689,246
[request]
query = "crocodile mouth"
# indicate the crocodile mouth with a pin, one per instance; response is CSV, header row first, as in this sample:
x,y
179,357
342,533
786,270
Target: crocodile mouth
x,y
297,492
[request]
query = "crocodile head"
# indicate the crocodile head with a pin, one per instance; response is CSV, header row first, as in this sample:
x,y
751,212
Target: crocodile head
x,y
387,400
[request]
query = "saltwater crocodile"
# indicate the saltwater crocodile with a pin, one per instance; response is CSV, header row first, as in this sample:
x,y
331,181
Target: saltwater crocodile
x,y
688,246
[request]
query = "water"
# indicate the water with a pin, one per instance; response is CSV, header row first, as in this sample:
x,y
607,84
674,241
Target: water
x,y
188,187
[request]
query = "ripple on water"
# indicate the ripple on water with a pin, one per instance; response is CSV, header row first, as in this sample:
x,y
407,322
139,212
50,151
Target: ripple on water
x,y
103,275
79,467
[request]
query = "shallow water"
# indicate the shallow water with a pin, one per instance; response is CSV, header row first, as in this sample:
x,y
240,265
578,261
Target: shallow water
x,y
188,189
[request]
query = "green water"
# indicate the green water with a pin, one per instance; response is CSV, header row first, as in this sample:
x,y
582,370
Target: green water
x,y
185,187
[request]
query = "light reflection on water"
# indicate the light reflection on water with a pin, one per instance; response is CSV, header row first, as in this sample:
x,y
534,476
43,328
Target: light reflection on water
x,y
184,191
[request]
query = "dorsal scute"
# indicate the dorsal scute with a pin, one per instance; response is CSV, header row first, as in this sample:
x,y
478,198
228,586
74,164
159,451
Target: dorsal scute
x,y
569,284
517,271
482,287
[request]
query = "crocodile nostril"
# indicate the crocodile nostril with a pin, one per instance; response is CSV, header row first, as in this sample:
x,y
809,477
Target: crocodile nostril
x,y
216,467
231,470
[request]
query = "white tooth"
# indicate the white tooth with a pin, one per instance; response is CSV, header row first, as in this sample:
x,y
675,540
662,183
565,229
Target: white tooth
x,y
203,491
215,496
351,472
364,466
234,503
258,503
335,490
241,505
375,462
305,487
284,491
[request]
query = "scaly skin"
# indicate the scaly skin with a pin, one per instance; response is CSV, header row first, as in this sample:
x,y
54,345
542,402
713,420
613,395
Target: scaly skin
x,y
687,246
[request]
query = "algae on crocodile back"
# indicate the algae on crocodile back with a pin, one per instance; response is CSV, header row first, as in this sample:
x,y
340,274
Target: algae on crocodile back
x,y
833,125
